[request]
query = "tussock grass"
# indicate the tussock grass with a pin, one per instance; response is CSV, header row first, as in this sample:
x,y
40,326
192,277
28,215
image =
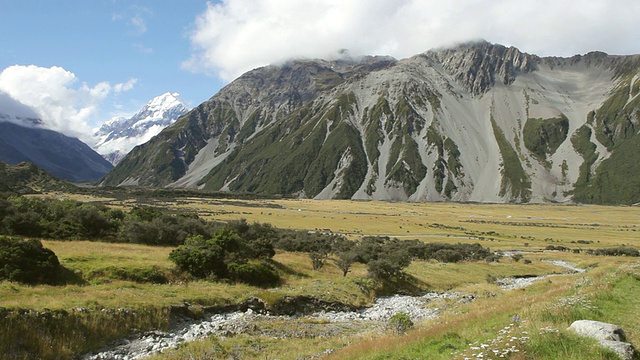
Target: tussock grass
x,y
112,275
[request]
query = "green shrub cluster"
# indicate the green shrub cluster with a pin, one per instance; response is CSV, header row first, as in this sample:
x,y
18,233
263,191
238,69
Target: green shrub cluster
x,y
225,255
27,261
617,251
385,257
71,220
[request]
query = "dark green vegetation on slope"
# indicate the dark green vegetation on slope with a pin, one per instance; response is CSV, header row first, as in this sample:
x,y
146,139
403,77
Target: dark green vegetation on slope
x,y
543,136
514,179
615,124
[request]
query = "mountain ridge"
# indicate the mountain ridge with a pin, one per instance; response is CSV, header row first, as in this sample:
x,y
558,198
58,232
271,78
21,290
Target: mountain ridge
x,y
118,135
477,122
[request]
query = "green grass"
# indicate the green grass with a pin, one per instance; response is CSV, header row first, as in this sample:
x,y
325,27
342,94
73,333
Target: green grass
x,y
108,271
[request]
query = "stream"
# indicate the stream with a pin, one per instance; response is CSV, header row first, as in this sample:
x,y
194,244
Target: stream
x,y
322,323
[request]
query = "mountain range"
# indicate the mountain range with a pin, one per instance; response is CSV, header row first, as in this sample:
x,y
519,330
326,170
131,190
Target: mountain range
x,y
475,122
24,138
117,136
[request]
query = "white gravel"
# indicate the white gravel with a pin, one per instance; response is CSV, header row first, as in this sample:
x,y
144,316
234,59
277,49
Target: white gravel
x,y
517,283
417,307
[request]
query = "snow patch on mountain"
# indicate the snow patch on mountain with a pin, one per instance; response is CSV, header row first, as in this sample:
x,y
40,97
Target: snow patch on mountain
x,y
118,135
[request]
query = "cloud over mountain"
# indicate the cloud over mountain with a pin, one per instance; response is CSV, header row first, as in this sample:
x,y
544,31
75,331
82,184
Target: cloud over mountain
x,y
234,36
58,97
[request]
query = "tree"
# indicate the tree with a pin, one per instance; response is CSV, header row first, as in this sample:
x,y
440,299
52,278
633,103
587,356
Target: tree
x,y
318,258
344,262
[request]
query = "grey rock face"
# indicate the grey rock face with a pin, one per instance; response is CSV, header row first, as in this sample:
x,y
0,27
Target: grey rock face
x,y
478,66
458,124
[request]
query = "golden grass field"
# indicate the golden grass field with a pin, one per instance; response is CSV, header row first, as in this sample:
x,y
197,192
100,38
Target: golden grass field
x,y
500,227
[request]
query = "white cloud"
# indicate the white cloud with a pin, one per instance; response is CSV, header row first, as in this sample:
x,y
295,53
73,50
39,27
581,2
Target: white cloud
x,y
60,100
135,18
138,24
234,36
120,87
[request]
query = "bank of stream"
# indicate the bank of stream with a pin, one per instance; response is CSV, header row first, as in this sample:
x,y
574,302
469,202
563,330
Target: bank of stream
x,y
319,318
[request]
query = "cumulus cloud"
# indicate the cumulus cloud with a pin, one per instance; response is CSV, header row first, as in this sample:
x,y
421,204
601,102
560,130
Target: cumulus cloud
x,y
59,99
234,36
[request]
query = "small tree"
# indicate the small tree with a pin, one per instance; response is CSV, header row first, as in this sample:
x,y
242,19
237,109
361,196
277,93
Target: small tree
x,y
516,257
318,258
344,262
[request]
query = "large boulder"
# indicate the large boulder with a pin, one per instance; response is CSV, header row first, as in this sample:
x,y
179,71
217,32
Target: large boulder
x,y
610,336
598,330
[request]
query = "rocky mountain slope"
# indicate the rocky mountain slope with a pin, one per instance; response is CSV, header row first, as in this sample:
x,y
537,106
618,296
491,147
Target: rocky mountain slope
x,y
477,122
119,135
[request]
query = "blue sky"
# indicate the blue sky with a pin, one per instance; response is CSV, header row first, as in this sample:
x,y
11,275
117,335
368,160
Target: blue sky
x,y
79,62
105,40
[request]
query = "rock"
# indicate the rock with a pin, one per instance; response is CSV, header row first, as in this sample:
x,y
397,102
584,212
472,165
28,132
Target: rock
x,y
598,330
623,349
610,336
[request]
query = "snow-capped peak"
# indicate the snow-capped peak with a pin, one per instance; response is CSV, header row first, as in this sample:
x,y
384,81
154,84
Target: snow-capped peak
x,y
117,136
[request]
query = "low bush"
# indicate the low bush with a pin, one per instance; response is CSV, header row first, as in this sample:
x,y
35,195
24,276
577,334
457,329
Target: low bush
x,y
617,251
224,256
400,323
257,273
27,261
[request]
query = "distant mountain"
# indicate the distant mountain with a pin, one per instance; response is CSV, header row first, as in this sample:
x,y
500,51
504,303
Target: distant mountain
x,y
23,138
117,136
62,156
27,178
475,122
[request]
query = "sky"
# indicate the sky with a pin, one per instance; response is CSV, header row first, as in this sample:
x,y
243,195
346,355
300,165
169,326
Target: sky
x,y
78,63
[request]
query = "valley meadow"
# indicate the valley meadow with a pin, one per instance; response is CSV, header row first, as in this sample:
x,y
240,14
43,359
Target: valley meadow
x,y
474,309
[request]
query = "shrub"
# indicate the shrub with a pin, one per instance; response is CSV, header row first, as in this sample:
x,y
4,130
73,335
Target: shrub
x,y
254,273
618,251
224,256
318,258
200,258
400,323
27,261
492,279
384,269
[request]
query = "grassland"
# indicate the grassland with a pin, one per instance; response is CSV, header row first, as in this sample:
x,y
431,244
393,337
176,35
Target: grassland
x,y
109,282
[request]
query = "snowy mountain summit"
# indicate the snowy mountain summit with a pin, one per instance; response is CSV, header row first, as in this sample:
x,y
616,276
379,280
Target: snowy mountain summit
x,y
118,135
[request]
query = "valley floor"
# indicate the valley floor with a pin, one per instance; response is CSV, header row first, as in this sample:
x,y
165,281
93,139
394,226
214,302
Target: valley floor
x,y
475,312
